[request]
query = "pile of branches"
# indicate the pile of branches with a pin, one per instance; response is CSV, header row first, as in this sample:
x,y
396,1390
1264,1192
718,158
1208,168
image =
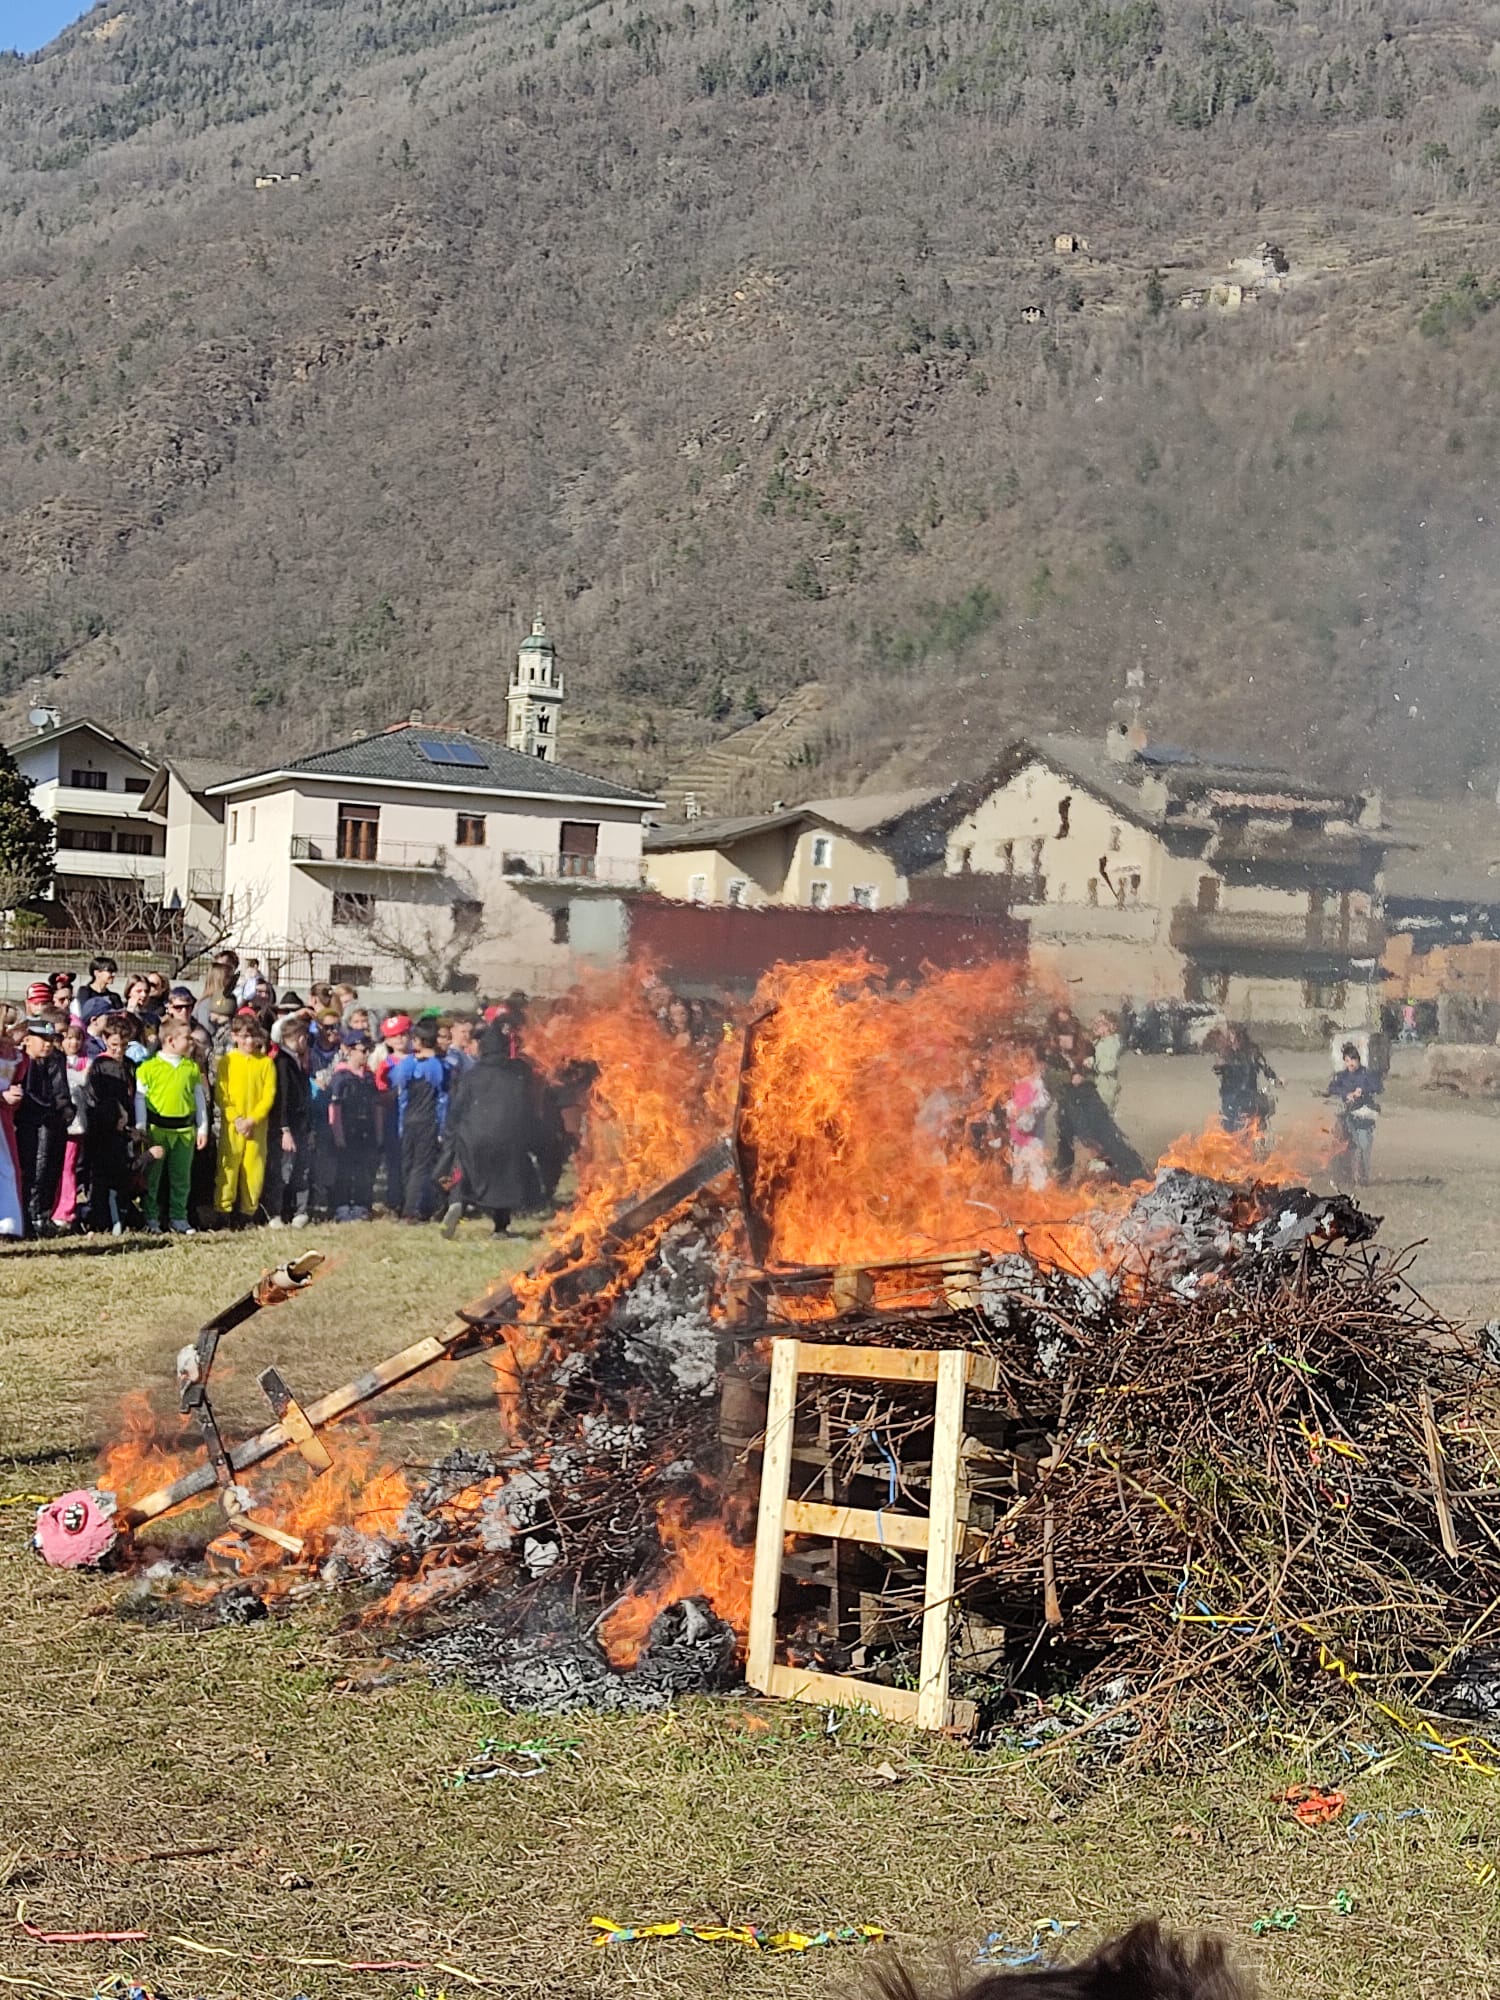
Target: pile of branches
x,y
1270,1473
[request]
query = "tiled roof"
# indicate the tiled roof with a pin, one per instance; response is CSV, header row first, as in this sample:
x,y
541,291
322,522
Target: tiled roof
x,y
395,756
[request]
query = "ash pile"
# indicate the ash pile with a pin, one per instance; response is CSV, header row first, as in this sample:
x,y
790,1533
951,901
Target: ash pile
x,y
545,1575
1234,1448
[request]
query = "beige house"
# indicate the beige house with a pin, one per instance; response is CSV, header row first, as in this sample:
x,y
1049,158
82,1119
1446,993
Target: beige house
x,y
823,854
1154,873
397,857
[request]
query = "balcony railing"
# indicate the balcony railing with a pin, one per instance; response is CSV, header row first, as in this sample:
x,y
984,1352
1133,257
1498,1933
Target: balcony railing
x,y
390,856
73,861
546,867
1329,934
92,801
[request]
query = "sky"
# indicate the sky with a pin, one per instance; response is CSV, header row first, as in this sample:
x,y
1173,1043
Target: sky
x,y
28,24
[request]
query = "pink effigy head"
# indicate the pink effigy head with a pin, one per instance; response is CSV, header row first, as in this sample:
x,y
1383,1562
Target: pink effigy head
x,y
77,1529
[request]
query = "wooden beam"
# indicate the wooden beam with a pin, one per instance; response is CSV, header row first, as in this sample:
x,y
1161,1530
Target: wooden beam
x,y
855,1524
942,1548
844,1691
775,1483
896,1364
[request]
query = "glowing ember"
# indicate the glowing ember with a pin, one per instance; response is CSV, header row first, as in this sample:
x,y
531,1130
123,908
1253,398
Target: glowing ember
x,y
705,1561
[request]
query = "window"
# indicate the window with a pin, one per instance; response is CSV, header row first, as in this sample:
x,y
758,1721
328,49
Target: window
x,y
1091,892
133,843
1208,895
1036,855
864,895
350,975
1132,888
86,839
543,722
578,845
737,890
1007,857
234,828
822,850
467,913
88,781
1064,816
965,860
822,895
1324,996
697,888
470,830
137,784
1114,840
250,834
359,832
353,909
562,924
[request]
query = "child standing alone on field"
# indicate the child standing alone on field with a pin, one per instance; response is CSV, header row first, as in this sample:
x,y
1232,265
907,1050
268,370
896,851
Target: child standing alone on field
x,y
171,1108
245,1093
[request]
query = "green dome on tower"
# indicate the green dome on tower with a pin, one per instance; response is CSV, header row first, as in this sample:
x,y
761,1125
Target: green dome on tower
x,y
537,640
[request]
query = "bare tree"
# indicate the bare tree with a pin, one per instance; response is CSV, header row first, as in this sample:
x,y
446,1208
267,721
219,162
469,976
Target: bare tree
x,y
126,916
433,945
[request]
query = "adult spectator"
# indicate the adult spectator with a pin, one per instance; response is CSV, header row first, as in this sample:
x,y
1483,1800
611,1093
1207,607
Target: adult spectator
x,y
492,1135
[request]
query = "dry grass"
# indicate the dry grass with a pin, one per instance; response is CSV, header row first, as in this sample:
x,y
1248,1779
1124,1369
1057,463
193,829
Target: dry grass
x,y
336,1836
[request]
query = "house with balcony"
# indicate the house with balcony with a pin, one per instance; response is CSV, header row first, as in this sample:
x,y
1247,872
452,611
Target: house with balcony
x,y
93,786
826,854
416,844
1153,872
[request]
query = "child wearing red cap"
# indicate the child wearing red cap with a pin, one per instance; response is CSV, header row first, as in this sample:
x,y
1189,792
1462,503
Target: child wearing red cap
x,y
395,1032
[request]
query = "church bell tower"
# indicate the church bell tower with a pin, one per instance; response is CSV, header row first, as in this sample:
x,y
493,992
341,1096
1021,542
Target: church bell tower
x,y
534,704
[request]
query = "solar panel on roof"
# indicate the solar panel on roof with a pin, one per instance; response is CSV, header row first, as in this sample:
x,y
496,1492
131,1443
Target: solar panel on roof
x,y
436,751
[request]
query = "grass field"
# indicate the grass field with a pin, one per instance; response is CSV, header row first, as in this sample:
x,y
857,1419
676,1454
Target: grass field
x,y
231,1789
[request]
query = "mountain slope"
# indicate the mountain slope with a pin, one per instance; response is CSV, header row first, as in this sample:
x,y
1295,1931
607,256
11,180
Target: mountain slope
x,y
713,330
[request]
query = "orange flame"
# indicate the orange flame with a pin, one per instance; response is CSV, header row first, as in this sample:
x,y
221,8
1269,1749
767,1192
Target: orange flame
x,y
142,1455
705,1561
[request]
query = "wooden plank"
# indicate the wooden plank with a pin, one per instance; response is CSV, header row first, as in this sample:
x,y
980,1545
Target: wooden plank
x,y
942,1548
855,1524
844,1691
410,1361
895,1364
775,1483
1434,1444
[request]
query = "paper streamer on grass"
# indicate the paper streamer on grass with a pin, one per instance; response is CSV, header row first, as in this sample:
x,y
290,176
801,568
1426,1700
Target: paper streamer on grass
x,y
755,1937
35,1935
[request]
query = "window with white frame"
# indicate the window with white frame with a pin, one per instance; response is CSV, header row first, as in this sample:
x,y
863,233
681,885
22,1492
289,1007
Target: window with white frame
x,y
739,888
864,895
697,888
822,895
822,850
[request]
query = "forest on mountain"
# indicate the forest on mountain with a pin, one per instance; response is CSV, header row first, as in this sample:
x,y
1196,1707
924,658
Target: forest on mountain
x,y
738,337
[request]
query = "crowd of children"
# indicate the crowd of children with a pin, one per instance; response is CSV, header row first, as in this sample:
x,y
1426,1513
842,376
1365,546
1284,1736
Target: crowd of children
x,y
158,1108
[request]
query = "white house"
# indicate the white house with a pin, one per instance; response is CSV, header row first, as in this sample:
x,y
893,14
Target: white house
x,y
381,859
179,796
92,786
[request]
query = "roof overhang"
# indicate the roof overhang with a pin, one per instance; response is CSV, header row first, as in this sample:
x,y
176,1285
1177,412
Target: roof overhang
x,y
262,780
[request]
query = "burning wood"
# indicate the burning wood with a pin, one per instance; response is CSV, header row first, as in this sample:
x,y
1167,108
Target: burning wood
x,y
1207,1429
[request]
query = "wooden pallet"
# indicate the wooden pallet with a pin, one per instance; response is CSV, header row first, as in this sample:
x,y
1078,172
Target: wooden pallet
x,y
951,1372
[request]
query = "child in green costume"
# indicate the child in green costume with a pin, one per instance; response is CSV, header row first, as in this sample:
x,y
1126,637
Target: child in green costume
x,y
171,1108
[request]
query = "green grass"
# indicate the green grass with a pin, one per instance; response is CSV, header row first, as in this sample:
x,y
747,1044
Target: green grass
x,y
321,1783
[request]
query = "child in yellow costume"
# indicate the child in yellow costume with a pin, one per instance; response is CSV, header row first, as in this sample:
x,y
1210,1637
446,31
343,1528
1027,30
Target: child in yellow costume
x,y
244,1091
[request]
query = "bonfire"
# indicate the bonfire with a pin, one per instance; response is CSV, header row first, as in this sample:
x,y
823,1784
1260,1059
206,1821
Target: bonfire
x,y
1225,1430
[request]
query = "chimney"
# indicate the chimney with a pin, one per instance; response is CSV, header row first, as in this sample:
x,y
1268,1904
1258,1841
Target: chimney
x,y
1371,814
1126,737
